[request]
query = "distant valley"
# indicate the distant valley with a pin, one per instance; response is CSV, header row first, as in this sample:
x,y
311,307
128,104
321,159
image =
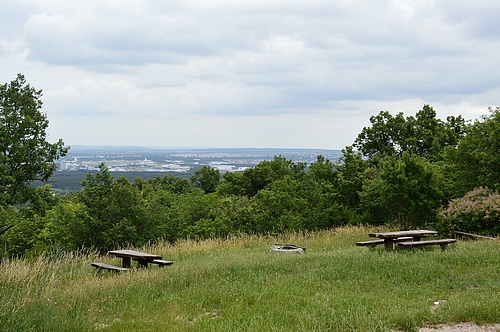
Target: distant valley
x,y
148,162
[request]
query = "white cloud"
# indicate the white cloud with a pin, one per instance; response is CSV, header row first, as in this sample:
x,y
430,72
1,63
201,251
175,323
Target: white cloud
x,y
248,73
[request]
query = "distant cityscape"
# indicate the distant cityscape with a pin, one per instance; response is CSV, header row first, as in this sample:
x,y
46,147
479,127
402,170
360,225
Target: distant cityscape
x,y
177,160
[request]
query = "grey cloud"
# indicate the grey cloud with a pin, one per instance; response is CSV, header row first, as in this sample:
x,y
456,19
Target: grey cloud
x,y
474,19
254,58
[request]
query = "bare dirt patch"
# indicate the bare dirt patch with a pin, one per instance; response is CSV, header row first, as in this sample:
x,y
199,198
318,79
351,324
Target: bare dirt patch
x,y
462,327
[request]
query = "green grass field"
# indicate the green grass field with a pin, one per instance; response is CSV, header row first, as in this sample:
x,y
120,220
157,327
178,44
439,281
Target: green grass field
x,y
237,285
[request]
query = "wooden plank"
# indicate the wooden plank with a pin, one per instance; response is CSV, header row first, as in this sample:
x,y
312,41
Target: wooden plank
x,y
427,243
412,233
475,235
104,266
441,242
133,254
377,242
403,239
369,243
162,263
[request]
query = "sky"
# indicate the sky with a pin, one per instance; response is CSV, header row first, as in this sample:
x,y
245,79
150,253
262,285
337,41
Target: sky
x,y
248,73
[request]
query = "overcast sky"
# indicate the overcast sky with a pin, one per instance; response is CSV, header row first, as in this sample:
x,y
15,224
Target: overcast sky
x,y
273,73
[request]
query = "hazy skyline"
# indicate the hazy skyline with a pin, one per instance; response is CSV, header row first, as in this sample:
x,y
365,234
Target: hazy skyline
x,y
284,74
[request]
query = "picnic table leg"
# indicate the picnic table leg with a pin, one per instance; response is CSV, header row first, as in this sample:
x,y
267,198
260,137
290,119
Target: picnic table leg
x,y
126,262
389,244
143,263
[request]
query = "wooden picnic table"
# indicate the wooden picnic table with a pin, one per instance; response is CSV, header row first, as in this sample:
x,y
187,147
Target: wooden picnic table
x,y
390,237
142,258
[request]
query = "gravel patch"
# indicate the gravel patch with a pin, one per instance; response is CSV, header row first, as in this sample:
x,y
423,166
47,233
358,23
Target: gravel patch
x,y
462,327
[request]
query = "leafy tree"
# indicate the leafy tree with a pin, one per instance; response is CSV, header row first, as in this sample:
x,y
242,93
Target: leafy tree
x,y
323,171
192,209
206,178
281,206
9,217
114,211
475,162
350,172
266,172
96,190
406,190
159,196
422,135
232,184
25,154
70,226
384,137
168,183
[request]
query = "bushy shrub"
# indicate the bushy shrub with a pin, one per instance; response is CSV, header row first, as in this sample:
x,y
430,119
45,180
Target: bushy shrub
x,y
25,234
209,228
477,212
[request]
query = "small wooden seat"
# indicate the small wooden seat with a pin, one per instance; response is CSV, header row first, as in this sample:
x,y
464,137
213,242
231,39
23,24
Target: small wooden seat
x,y
162,263
369,243
377,242
104,266
441,242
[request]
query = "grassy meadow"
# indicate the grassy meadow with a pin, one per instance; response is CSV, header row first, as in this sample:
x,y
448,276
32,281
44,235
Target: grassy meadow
x,y
237,285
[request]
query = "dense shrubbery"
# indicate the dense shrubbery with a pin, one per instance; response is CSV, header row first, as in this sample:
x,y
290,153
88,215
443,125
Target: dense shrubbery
x,y
477,212
399,184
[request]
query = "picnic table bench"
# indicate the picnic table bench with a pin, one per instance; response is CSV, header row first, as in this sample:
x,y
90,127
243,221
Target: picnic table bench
x,y
142,258
104,266
441,242
162,263
374,243
389,238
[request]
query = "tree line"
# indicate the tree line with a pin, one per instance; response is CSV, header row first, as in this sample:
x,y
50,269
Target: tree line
x,y
409,172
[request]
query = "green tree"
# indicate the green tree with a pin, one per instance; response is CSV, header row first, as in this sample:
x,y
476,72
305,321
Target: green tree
x,y
323,171
159,196
350,173
206,178
96,190
232,184
191,209
406,190
281,206
422,135
475,162
384,137
266,172
168,183
70,226
25,154
114,213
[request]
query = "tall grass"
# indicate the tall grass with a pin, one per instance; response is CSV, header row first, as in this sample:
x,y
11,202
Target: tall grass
x,y
237,285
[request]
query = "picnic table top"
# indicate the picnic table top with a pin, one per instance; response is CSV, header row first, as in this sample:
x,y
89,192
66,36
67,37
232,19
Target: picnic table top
x,y
412,233
133,254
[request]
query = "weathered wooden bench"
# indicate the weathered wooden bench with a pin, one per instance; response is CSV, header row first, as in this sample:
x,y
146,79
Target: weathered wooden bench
x,y
162,263
374,243
441,242
104,266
